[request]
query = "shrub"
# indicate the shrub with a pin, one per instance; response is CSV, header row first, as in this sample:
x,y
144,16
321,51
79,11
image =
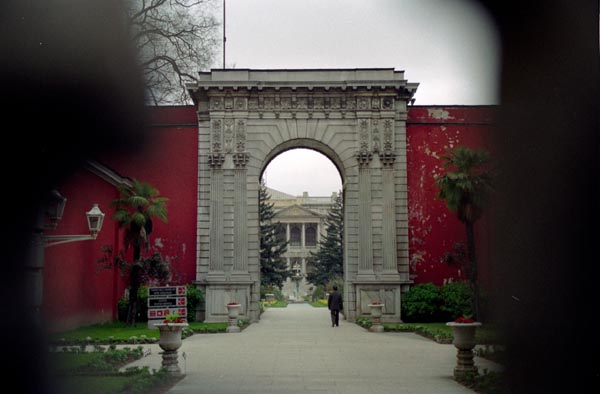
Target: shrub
x,y
422,303
456,300
194,298
319,293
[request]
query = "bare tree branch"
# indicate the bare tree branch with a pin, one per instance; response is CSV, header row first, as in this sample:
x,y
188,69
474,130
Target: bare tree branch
x,y
175,39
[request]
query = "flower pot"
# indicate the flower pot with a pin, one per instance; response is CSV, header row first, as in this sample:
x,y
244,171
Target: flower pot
x,y
464,341
233,311
376,311
170,341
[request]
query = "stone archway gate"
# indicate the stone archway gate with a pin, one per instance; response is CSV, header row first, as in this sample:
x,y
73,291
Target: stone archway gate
x,y
357,118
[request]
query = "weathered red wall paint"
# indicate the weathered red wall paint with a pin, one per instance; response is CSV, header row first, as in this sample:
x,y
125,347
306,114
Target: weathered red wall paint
x,y
76,292
433,229
168,160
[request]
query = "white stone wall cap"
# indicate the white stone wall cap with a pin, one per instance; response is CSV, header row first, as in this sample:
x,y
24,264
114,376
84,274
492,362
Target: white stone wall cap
x,y
455,324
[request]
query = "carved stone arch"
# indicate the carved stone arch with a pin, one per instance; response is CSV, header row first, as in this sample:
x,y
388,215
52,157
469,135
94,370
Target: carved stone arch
x,y
355,117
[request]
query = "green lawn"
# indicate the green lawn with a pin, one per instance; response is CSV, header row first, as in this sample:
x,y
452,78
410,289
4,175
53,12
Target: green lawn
x,y
93,384
98,372
121,332
439,332
319,304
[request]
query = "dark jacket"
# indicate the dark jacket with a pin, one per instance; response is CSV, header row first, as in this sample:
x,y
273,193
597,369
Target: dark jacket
x,y
335,302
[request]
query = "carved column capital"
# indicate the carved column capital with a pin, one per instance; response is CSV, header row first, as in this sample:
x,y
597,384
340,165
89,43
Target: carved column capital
x,y
240,159
216,160
364,158
387,158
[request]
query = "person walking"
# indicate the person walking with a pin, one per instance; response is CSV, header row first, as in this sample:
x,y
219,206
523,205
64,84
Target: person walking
x,y
335,305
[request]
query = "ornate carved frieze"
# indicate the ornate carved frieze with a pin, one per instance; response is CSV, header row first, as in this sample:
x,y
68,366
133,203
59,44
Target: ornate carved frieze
x,y
228,135
363,135
240,136
284,100
376,142
388,133
216,135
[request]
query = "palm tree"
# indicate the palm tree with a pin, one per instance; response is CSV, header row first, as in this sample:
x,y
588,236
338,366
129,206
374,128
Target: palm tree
x,y
134,210
466,186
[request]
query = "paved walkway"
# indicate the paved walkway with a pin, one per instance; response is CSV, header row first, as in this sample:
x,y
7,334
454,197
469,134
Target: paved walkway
x,y
295,350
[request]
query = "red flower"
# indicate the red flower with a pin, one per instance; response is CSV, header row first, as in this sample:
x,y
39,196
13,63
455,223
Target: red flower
x,y
464,320
375,303
233,303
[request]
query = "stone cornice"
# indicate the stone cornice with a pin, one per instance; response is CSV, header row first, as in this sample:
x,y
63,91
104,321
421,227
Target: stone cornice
x,y
243,82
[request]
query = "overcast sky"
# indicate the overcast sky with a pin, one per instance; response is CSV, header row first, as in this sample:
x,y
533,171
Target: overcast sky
x,y
448,46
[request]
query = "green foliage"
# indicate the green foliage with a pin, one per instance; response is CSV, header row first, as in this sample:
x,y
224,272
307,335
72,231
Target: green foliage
x,y
421,303
209,328
467,182
194,298
364,322
456,300
275,304
328,261
438,332
273,266
319,292
139,203
108,361
489,382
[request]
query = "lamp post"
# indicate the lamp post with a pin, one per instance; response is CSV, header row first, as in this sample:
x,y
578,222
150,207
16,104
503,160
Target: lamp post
x,y
48,219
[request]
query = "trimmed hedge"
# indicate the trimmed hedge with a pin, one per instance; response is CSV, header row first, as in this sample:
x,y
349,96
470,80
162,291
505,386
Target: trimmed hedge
x,y
427,302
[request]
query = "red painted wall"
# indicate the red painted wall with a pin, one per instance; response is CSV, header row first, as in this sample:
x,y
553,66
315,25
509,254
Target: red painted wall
x,y
168,159
433,229
76,293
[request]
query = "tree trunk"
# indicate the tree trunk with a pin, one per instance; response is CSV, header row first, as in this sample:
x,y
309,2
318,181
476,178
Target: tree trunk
x,y
472,263
134,286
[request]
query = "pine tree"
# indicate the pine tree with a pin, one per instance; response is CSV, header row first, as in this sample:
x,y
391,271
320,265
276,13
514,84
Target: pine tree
x,y
328,262
273,267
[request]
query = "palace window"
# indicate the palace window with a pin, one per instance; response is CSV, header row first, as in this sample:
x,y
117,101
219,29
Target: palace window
x,y
311,236
280,233
295,236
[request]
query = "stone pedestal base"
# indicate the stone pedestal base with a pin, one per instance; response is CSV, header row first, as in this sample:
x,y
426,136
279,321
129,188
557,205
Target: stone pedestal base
x,y
233,327
464,364
170,363
376,327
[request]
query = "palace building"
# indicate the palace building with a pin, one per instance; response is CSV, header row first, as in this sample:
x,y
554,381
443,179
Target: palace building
x,y
302,220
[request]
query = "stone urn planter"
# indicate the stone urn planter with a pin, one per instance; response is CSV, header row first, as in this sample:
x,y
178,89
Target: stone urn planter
x,y
270,297
233,312
376,309
464,340
169,342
